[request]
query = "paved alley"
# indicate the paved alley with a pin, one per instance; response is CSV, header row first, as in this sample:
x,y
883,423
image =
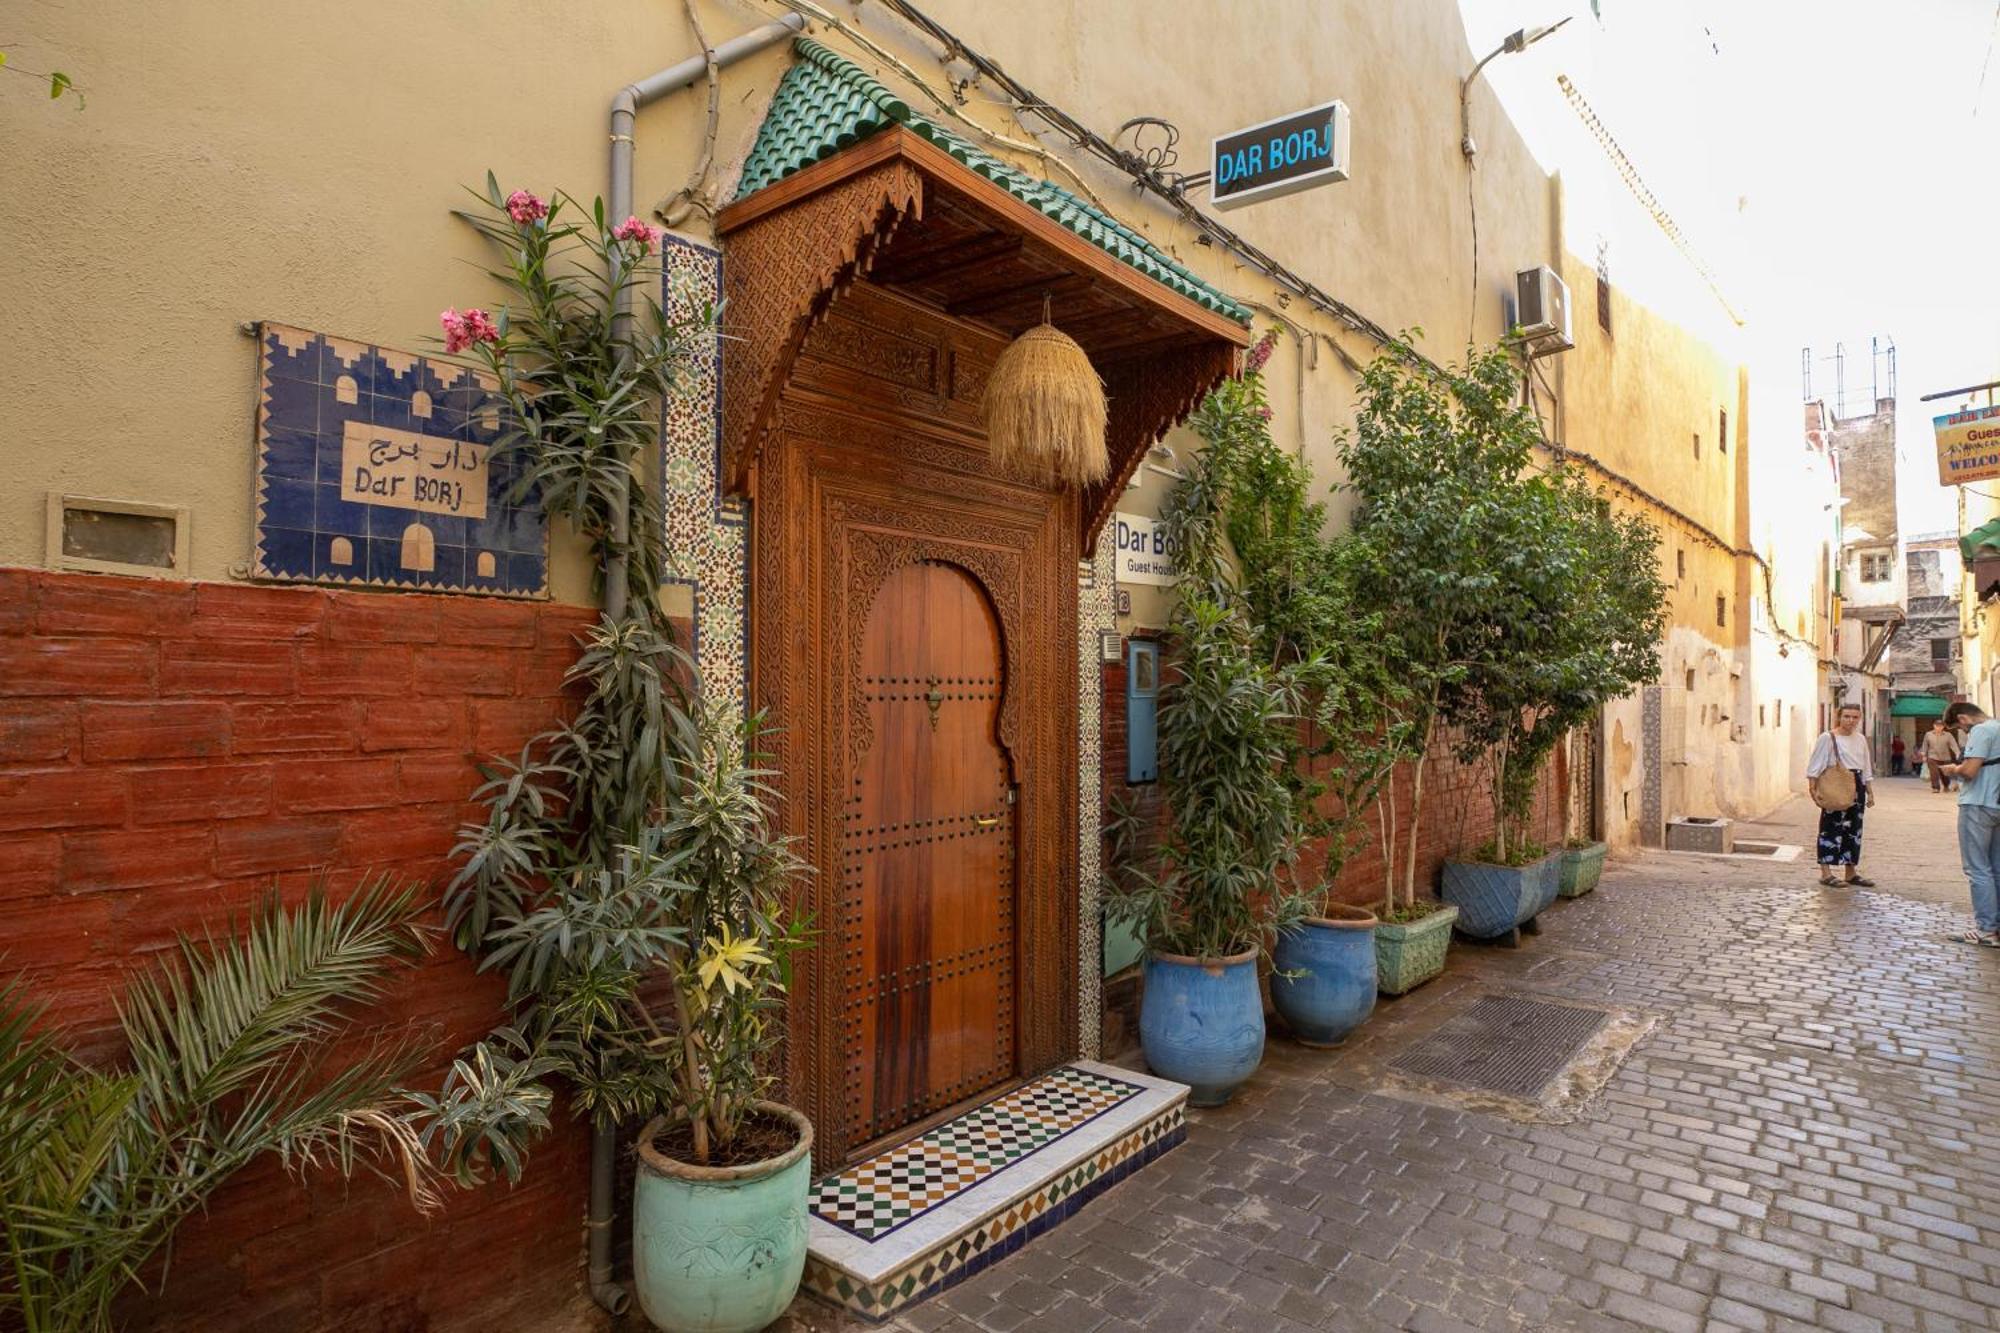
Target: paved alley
x,y
1805,1138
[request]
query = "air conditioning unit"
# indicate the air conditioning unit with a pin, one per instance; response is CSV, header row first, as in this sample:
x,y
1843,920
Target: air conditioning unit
x,y
1541,303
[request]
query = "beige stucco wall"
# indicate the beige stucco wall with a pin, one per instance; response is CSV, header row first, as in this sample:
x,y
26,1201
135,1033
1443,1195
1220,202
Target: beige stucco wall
x,y
241,161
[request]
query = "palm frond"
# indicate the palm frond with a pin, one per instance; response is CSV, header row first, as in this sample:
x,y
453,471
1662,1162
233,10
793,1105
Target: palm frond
x,y
236,1011
96,1168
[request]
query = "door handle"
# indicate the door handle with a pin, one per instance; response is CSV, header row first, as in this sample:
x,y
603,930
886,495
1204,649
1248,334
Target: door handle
x,y
987,822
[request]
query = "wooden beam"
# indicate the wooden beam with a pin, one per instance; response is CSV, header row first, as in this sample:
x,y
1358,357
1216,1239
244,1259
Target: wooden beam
x,y
991,299
936,261
1117,352
808,181
948,173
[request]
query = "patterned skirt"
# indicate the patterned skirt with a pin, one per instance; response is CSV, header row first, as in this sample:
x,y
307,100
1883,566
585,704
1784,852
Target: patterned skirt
x,y
1840,830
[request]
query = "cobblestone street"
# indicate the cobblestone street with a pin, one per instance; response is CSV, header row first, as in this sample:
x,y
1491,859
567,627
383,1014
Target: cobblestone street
x,y
1805,1138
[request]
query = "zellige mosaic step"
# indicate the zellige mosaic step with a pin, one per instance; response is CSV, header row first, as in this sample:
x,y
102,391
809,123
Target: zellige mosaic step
x,y
911,1221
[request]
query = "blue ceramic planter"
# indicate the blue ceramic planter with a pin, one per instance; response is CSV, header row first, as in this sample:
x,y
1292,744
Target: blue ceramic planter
x,y
1201,1022
1323,975
1493,900
1549,884
720,1249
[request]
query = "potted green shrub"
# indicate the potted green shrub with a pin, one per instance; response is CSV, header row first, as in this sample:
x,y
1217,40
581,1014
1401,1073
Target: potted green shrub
x,y
226,1061
1305,615
1579,611
1502,708
1626,621
1509,627
1207,894
1434,462
626,877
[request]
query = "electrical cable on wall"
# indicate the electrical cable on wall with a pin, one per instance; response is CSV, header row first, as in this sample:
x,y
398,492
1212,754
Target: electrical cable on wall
x,y
1146,178
694,196
949,106
1210,231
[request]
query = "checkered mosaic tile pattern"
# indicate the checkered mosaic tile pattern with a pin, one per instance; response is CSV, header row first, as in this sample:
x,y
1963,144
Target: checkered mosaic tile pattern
x,y
953,1260
873,1198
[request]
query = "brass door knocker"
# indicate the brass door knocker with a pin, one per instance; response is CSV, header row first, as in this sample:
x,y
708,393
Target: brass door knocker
x,y
934,700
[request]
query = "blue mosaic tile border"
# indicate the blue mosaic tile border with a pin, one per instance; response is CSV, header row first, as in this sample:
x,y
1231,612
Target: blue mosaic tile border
x,y
1057,1213
338,421
993,1240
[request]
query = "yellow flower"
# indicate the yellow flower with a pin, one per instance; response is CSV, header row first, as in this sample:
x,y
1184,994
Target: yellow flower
x,y
729,960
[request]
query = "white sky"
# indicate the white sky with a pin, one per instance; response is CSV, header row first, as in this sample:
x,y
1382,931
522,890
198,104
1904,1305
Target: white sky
x,y
1837,162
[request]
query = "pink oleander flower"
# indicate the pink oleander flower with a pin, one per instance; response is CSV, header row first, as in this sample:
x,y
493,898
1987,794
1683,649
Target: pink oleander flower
x,y
1260,354
1263,414
525,208
462,329
631,229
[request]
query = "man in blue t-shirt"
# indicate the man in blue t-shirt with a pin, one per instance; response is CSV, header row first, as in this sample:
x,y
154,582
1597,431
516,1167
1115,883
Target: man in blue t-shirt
x,y
1979,824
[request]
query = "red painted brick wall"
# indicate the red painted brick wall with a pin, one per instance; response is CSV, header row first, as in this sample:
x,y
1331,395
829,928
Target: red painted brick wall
x,y
168,752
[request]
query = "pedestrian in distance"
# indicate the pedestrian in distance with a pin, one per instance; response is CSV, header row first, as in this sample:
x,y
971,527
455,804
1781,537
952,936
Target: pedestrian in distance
x,y
1941,749
1840,777
1979,827
1896,752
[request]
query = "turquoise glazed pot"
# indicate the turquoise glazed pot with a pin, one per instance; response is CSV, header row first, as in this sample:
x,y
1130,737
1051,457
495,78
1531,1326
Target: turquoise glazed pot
x,y
1201,1022
1323,975
1492,900
720,1249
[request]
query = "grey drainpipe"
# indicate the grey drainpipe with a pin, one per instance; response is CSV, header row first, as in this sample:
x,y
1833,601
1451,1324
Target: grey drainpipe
x,y
625,105
624,110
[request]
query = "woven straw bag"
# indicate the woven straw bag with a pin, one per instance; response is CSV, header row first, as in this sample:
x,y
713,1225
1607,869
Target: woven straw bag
x,y
1836,789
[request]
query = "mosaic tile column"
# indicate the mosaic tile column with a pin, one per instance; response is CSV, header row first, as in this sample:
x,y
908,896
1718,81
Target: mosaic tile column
x,y
1652,805
707,547
1095,612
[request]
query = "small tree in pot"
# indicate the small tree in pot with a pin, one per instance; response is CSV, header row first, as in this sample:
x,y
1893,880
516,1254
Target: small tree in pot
x,y
1611,639
1584,607
1436,462
626,876
1305,614
1206,896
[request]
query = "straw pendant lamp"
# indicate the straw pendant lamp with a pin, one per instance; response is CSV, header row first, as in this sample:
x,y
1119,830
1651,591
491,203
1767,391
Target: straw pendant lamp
x,y
1044,409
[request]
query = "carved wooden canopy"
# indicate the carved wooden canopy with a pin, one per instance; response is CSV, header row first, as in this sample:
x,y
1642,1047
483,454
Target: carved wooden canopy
x,y
898,212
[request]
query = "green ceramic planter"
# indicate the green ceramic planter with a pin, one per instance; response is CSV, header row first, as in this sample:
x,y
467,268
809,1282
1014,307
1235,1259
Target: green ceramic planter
x,y
1581,869
720,1249
1407,954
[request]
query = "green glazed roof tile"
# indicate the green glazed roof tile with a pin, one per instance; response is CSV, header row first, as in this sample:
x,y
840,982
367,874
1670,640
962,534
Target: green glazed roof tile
x,y
826,103
1985,536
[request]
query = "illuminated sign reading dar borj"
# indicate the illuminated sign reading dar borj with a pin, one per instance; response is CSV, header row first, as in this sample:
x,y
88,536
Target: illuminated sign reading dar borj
x,y
1281,156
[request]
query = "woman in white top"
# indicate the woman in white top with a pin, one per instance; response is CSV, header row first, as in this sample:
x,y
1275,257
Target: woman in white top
x,y
1840,830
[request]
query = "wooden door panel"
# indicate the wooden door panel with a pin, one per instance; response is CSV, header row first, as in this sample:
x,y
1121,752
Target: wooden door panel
x,y
862,479
930,908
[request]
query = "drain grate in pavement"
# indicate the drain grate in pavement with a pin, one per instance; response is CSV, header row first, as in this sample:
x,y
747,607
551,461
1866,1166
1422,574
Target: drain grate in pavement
x,y
1503,1044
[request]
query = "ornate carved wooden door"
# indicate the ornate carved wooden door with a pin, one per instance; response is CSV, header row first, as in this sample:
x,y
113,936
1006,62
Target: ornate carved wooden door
x,y
928,893
914,622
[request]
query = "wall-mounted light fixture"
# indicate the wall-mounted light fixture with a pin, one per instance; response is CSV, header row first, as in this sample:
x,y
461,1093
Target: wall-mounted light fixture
x,y
1518,41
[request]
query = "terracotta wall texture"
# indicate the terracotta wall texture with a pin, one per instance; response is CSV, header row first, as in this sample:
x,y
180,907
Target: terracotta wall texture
x,y
1458,809
169,754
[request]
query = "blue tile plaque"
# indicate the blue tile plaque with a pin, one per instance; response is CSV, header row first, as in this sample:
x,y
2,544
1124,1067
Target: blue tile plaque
x,y
378,468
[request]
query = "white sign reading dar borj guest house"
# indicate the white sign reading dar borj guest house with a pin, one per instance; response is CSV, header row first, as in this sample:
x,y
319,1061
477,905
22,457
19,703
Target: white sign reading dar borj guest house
x,y
1144,554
